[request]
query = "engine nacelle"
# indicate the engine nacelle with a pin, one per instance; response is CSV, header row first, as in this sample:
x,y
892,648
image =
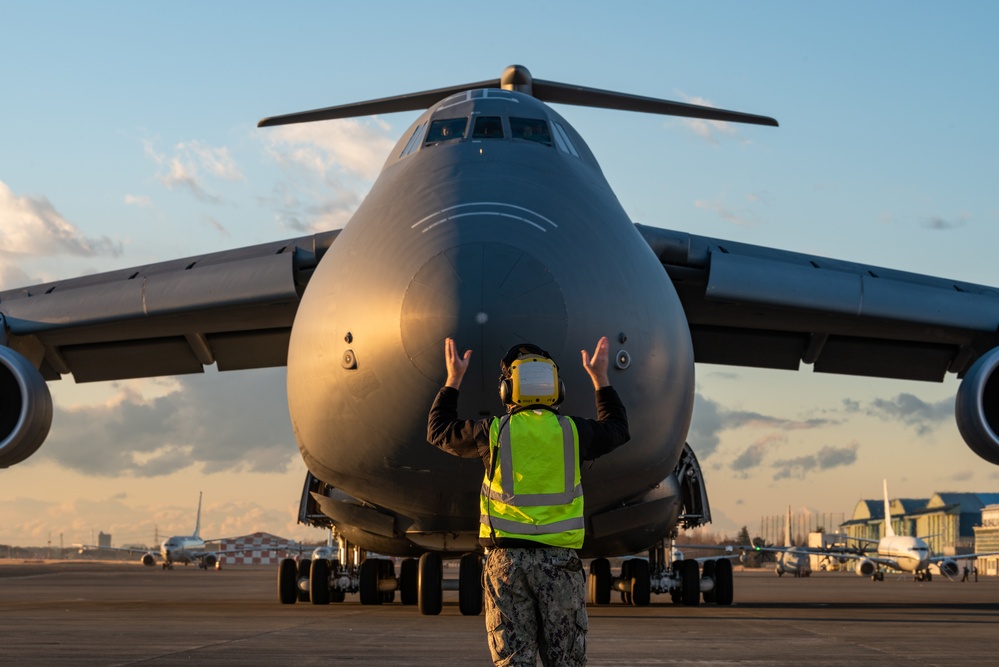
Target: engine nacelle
x,y
211,560
948,567
866,567
25,408
977,407
148,559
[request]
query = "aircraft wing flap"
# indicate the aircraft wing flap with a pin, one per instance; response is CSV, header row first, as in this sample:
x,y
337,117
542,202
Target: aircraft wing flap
x,y
755,306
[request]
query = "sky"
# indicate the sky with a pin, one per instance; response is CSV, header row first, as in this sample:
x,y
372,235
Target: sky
x,y
128,135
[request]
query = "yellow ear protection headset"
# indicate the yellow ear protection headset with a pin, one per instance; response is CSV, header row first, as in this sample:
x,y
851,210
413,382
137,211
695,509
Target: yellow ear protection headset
x,y
529,376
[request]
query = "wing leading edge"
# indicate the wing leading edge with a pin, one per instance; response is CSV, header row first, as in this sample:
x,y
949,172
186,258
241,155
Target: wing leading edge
x,y
754,306
232,308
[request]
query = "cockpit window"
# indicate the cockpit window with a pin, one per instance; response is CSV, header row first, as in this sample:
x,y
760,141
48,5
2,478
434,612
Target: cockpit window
x,y
488,127
414,140
446,129
563,141
531,129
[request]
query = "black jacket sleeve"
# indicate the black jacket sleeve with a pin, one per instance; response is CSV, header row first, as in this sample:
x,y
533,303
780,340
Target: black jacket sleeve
x,y
468,439
608,431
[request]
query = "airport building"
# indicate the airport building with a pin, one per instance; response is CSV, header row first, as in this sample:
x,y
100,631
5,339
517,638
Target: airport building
x,y
947,521
987,539
258,549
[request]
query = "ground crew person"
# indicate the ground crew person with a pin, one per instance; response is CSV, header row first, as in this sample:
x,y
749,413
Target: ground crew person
x,y
531,503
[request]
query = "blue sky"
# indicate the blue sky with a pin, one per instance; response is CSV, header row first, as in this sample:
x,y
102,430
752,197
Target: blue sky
x,y
127,135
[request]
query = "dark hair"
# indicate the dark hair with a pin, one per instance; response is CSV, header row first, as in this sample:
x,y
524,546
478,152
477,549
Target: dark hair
x,y
520,350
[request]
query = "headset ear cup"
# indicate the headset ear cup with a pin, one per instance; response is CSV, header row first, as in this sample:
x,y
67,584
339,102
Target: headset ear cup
x,y
505,391
561,392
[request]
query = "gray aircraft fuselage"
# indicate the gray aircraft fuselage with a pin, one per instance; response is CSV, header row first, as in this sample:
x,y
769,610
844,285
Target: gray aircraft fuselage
x,y
491,241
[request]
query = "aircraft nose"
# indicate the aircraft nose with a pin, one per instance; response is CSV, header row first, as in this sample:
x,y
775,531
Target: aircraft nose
x,y
488,296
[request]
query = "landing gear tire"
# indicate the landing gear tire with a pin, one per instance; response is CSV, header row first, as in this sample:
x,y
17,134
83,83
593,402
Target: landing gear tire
x,y
690,578
288,581
430,593
599,581
408,576
641,584
370,569
470,585
304,566
319,581
724,582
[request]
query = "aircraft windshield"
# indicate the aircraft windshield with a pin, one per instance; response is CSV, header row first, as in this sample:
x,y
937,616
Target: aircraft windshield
x,y
446,129
531,129
488,127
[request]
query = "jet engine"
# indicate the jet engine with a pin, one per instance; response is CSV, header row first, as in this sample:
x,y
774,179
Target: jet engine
x,y
25,408
148,559
948,568
977,407
211,560
865,567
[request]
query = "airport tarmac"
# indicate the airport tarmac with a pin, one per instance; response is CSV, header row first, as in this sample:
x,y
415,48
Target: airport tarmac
x,y
123,614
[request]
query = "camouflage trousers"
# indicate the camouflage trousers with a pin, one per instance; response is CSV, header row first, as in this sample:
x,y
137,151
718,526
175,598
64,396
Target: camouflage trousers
x,y
535,602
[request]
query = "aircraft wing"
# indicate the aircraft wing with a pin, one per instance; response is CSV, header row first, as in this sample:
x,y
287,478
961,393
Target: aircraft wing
x,y
232,308
94,547
939,558
755,306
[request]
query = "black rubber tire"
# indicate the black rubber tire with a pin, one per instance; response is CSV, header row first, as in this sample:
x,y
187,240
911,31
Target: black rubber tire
x,y
724,582
430,594
599,583
708,572
691,578
370,569
319,581
304,566
641,584
408,575
288,581
470,584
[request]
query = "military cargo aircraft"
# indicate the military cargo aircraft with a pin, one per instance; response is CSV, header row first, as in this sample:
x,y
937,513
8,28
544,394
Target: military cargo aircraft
x,y
492,223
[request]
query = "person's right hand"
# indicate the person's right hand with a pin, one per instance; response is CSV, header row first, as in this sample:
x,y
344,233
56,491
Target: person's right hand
x,y
596,366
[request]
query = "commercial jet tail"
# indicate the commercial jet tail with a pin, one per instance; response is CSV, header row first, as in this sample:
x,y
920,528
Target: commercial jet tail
x,y
197,521
889,531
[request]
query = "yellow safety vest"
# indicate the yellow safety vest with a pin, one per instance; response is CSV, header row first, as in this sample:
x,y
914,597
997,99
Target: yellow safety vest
x,y
532,489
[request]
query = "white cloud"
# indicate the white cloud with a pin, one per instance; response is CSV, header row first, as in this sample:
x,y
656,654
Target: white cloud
x,y
151,429
709,130
329,165
190,162
138,200
31,226
351,146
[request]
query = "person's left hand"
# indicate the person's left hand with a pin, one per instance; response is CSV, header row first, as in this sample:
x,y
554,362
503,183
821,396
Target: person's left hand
x,y
456,365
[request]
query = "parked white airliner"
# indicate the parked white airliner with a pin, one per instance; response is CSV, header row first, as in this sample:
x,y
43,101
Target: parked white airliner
x,y
184,549
905,553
